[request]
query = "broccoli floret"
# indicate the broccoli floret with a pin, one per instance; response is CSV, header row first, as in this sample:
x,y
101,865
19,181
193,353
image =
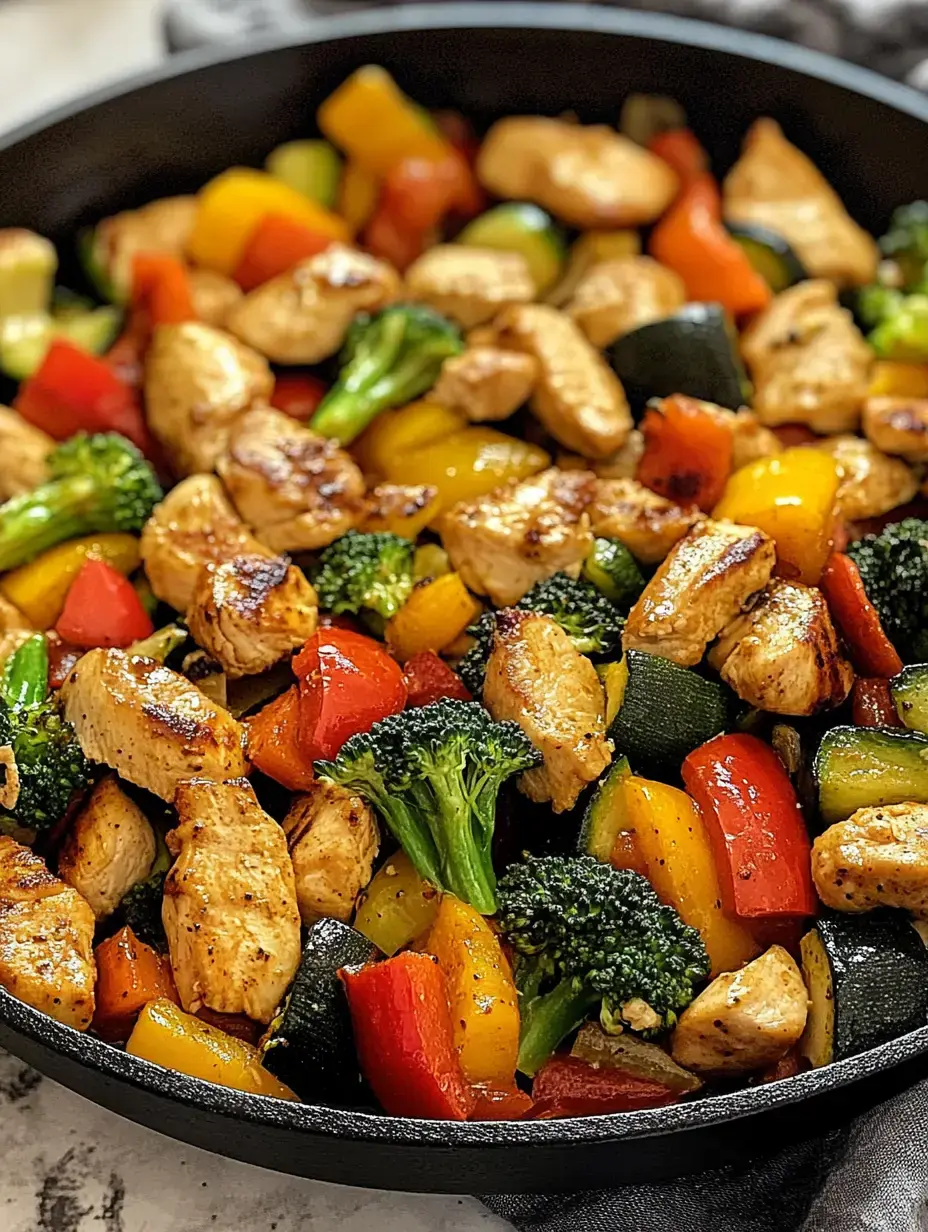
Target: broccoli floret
x,y
906,242
140,907
388,359
899,321
39,752
473,666
434,774
97,484
894,570
589,935
365,572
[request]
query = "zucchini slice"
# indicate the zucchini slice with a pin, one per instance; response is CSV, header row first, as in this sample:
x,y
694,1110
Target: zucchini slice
x,y
309,1044
910,696
862,767
692,352
666,711
612,569
770,255
24,341
312,168
867,977
605,816
521,227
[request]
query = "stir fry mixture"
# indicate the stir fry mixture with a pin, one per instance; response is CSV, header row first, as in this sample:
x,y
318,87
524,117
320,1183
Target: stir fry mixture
x,y
464,612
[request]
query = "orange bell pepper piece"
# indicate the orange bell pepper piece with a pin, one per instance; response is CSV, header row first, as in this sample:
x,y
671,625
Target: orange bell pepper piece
x,y
687,453
872,652
161,287
274,742
129,975
276,245
433,616
680,148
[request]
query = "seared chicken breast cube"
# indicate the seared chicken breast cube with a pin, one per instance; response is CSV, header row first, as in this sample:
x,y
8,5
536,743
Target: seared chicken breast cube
x,y
750,440
296,489
538,679
775,185
871,482
214,296
46,939
577,397
877,858
619,295
162,226
24,450
193,526
486,383
250,612
898,426
623,464
303,316
469,285
589,176
649,525
333,840
108,849
198,381
230,910
808,360
708,578
149,724
744,1020
400,508
503,543
783,655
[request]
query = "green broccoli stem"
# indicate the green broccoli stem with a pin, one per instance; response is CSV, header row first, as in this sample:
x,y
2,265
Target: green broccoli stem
x,y
546,1020
35,521
350,407
413,837
25,674
466,869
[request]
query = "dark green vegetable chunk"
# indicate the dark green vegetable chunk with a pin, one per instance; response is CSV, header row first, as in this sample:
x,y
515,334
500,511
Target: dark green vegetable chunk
x,y
894,570
910,696
365,572
862,767
769,254
605,816
590,937
140,907
612,569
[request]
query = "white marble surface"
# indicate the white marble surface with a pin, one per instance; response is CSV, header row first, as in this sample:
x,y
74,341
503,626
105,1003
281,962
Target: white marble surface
x,y
69,1166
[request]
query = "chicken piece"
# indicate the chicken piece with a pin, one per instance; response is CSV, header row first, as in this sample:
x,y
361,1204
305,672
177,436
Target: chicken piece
x,y
783,655
297,490
619,295
773,184
486,383
302,316
623,464
333,840
871,483
230,910
577,397
46,939
214,296
809,361
250,612
745,1019
877,858
25,451
149,724
649,525
898,426
503,543
193,526
162,227
589,176
109,847
401,508
750,440
469,285
536,678
198,381
707,579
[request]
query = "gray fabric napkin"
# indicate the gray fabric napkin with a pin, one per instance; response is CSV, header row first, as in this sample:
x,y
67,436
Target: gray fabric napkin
x,y
873,1175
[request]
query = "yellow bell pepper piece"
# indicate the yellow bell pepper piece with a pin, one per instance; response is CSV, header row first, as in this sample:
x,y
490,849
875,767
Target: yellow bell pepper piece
x,y
434,614
402,509
377,126
231,206
394,434
672,842
895,380
39,589
175,1040
792,497
358,191
481,993
397,906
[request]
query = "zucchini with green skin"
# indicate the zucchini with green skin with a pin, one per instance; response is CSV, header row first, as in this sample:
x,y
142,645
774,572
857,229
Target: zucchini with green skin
x,y
612,569
910,696
863,767
312,168
28,263
769,254
605,815
527,229
24,341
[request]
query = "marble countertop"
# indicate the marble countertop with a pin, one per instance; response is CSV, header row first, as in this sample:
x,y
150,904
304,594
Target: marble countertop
x,y
70,1166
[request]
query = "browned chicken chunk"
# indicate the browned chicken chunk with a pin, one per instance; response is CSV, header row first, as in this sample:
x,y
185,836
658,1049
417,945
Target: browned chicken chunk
x,y
750,440
871,482
898,426
148,723
250,612
297,489
214,296
649,525
503,543
162,226
230,909
469,285
783,655
536,678
24,450
486,383
620,295
333,840
877,858
707,579
46,939
744,1020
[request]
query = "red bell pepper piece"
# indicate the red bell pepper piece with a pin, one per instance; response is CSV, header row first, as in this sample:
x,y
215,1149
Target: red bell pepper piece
x,y
792,434
298,395
402,1030
274,742
755,825
387,238
687,453
872,652
347,683
161,286
126,357
275,246
74,391
102,608
691,240
570,1086
429,678
680,148
492,1105
872,704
